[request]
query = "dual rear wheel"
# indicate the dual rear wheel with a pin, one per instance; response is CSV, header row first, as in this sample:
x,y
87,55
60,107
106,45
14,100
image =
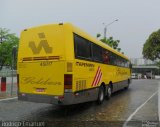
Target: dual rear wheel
x,y
104,93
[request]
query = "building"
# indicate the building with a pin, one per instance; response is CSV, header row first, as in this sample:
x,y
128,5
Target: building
x,y
141,61
144,67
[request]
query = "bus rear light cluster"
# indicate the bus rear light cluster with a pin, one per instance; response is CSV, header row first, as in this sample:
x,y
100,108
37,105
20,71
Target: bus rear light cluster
x,y
67,81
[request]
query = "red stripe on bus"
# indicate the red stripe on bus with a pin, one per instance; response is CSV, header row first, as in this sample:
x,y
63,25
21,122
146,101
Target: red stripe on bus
x,y
95,77
99,78
96,83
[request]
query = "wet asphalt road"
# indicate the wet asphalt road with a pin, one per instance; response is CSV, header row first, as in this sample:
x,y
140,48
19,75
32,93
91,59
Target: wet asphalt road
x,y
139,104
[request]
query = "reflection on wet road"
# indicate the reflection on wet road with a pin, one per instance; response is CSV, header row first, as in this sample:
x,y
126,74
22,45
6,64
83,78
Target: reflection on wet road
x,y
112,112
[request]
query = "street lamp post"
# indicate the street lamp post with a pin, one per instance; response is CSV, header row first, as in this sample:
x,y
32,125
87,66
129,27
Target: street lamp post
x,y
105,28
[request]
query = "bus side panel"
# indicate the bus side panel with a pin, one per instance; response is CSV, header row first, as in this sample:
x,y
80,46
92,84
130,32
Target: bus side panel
x,y
119,77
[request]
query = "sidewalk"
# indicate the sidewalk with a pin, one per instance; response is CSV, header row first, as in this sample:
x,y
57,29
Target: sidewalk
x,y
8,93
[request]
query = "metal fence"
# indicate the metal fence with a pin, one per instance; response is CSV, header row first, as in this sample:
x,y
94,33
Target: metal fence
x,y
8,73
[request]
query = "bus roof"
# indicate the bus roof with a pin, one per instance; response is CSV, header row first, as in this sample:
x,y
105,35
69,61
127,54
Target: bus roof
x,y
86,36
94,40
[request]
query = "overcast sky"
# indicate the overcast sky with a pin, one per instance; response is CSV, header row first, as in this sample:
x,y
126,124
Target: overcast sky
x,y
137,18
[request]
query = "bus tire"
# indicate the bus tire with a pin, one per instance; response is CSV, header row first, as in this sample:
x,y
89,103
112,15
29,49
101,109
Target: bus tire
x,y
101,95
109,92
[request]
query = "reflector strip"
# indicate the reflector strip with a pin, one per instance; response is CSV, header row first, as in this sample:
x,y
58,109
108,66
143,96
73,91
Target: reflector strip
x,y
41,58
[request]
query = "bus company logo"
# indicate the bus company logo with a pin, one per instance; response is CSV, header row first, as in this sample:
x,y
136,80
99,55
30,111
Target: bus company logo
x,y
82,64
39,81
97,77
120,72
42,44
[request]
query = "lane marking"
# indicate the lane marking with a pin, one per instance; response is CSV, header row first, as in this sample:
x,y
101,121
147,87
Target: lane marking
x,y
159,101
130,117
8,99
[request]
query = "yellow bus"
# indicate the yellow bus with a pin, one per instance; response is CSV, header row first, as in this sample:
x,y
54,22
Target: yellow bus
x,y
61,64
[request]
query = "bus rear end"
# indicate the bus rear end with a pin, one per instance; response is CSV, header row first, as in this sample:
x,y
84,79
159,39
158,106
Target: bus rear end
x,y
41,65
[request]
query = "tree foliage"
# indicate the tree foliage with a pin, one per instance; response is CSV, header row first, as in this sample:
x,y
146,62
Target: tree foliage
x,y
7,42
98,35
111,42
151,48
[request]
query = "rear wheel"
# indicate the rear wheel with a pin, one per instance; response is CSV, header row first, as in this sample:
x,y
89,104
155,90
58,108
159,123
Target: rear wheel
x,y
100,95
109,92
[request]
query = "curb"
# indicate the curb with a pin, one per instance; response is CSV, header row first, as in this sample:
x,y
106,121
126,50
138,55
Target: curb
x,y
8,99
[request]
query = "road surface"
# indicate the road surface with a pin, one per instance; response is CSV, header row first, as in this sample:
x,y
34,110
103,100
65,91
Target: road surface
x,y
136,106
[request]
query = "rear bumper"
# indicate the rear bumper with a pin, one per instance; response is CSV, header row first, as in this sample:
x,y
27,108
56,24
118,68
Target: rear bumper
x,y
37,98
68,99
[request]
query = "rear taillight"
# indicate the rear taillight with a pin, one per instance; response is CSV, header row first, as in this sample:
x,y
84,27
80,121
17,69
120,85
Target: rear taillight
x,y
67,81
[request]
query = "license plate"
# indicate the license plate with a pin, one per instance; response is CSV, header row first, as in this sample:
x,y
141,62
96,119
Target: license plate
x,y
40,90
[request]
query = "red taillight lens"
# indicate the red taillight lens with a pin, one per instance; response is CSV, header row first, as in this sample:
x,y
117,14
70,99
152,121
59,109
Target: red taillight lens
x,y
68,81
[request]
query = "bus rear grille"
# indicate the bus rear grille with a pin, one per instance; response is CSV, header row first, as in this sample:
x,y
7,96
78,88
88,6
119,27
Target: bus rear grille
x,y
41,58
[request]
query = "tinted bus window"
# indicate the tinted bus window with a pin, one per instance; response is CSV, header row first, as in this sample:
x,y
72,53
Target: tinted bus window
x,y
106,55
97,53
82,47
113,59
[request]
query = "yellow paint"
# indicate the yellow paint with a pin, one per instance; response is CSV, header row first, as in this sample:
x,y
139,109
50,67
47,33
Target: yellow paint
x,y
46,53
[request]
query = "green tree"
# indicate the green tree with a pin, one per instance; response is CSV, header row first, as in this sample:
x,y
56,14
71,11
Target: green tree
x,y
7,42
151,48
98,35
111,42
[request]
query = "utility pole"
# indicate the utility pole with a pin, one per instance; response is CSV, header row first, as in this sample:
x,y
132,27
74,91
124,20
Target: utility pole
x,y
105,27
